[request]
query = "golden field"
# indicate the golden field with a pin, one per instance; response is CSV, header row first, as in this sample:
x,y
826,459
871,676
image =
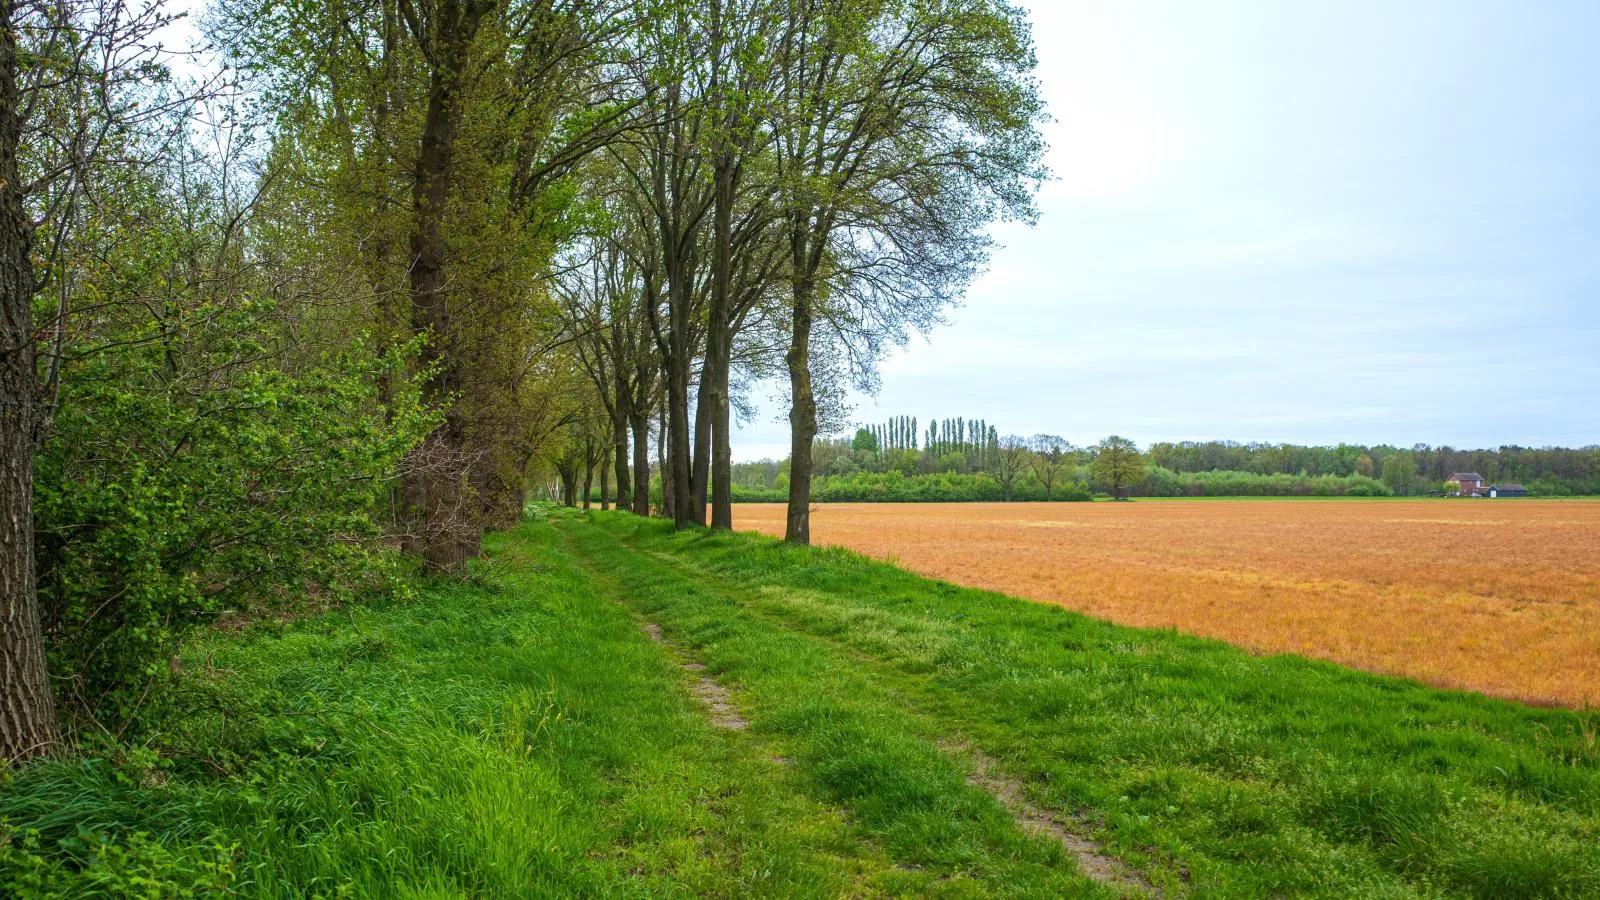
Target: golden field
x,y
1498,596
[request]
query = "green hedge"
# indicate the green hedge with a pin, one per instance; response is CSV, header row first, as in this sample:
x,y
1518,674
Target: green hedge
x,y
897,487
1222,483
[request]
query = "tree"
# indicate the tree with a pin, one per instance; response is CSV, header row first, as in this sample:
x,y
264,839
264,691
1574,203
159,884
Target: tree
x,y
1010,458
1400,472
1051,455
1118,462
903,130
27,712
84,93
864,441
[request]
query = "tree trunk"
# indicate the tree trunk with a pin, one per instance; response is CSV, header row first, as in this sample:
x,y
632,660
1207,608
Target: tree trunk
x,y
569,487
667,498
605,482
619,433
681,507
28,726
719,343
588,471
444,533
641,460
679,351
700,470
802,413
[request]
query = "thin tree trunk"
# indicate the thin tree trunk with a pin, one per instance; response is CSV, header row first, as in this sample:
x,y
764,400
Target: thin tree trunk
x,y
588,470
28,726
700,470
719,343
619,432
641,461
605,481
667,507
679,355
681,507
802,412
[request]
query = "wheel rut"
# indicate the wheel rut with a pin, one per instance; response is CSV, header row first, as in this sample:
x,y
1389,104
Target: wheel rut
x,y
717,699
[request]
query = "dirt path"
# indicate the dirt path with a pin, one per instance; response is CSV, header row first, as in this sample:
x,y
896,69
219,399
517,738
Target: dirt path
x,y
1091,854
717,700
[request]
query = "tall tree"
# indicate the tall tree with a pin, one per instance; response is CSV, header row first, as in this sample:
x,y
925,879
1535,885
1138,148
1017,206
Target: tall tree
x,y
1118,463
28,724
85,92
1051,455
444,533
905,129
1010,459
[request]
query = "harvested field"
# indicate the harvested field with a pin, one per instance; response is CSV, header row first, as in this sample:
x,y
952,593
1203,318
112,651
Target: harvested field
x,y
1501,596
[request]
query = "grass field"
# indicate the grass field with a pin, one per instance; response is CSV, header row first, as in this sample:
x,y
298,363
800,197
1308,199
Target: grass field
x,y
614,710
1495,596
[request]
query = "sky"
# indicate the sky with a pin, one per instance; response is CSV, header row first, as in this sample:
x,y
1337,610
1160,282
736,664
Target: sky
x,y
1371,222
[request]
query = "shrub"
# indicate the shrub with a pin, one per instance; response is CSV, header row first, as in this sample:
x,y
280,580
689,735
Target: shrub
x,y
181,480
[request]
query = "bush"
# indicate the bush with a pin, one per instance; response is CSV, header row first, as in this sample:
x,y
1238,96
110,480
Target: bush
x,y
1162,482
181,480
94,864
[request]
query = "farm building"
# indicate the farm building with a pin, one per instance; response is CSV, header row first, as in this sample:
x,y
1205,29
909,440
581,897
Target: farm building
x,y
1509,489
1471,483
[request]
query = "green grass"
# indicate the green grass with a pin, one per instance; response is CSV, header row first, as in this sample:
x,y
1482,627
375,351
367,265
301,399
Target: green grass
x,y
523,737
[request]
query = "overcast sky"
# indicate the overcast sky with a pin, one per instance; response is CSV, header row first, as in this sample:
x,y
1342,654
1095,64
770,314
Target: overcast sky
x,y
1309,222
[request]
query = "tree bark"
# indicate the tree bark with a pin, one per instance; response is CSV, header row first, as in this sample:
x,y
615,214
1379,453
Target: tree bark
x,y
641,460
619,432
667,505
28,726
802,407
700,469
588,471
681,507
719,343
676,245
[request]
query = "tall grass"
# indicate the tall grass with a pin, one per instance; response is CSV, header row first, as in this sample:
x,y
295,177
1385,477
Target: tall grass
x,y
516,740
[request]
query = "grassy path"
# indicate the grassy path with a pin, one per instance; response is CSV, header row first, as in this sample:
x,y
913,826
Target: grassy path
x,y
1251,776
851,741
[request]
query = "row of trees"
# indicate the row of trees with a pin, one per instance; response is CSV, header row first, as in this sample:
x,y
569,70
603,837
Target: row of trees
x,y
958,444
1046,462
808,181
1557,469
401,260
1214,468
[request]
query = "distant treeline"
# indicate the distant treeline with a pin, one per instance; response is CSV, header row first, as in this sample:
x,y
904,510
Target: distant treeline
x,y
962,459
1551,471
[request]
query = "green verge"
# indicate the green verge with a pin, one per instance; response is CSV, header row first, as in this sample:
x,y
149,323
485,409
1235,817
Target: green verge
x,y
1244,775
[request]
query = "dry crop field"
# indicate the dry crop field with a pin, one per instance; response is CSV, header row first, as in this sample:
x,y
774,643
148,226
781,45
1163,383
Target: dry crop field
x,y
1498,596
